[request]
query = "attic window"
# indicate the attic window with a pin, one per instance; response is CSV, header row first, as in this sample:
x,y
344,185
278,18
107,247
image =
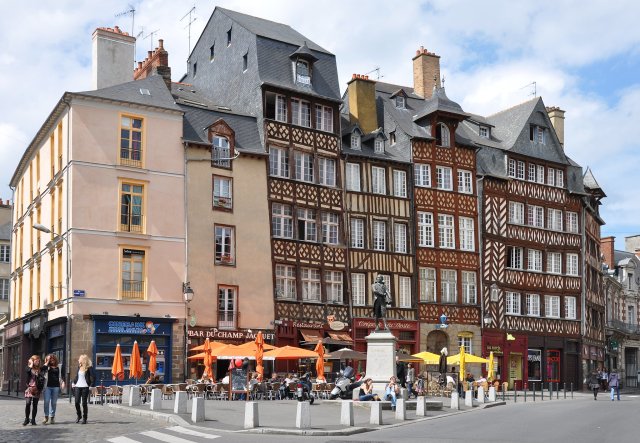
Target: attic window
x,y
400,101
144,91
212,52
483,131
245,62
537,134
303,72
378,146
195,68
392,138
229,37
442,135
355,140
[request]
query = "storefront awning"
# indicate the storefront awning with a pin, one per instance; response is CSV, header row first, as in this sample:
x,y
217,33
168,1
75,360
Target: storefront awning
x,y
342,336
310,334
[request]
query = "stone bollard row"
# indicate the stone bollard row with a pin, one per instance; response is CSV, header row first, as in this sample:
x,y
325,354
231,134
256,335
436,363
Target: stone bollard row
x,y
455,401
180,402
156,399
303,415
421,406
197,409
251,417
346,413
376,413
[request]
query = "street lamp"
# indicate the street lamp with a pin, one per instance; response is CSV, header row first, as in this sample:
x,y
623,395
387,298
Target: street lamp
x,y
188,294
67,358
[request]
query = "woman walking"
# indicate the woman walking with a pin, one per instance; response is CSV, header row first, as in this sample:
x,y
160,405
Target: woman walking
x,y
593,383
53,384
85,378
614,384
35,383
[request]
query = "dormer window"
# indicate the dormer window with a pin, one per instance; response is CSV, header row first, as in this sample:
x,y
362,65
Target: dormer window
x,y
392,138
355,140
229,37
400,101
442,135
303,72
537,134
483,131
221,152
378,146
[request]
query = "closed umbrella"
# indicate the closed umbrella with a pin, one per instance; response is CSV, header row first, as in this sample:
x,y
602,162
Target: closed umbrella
x,y
153,352
207,360
491,372
320,362
259,353
135,367
117,370
462,363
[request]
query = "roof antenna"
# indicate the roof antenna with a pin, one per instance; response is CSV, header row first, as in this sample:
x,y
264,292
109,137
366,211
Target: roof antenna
x,y
151,34
533,89
191,20
443,82
131,11
377,71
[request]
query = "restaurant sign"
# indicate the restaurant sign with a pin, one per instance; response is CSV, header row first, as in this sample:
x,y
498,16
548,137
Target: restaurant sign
x,y
240,335
393,324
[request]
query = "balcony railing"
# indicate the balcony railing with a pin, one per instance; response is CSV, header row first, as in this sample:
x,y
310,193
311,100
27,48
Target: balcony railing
x,y
132,223
131,157
222,202
228,319
132,289
629,328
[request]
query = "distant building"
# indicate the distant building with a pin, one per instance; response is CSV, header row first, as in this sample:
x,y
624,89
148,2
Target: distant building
x,y
5,277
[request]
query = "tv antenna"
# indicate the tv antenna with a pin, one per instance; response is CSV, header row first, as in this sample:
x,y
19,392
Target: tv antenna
x,y
192,19
377,71
151,34
533,86
131,11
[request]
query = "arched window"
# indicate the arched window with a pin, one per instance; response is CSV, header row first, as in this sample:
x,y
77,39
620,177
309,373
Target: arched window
x,y
442,135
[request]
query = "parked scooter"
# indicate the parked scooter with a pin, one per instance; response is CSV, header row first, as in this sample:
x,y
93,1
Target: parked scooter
x,y
303,389
345,384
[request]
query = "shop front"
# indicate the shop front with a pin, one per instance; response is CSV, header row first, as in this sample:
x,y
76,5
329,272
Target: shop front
x,y
592,358
56,339
552,360
112,330
13,357
509,354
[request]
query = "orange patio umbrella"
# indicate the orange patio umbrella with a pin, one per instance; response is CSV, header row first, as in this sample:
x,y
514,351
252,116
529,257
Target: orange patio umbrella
x,y
135,367
207,360
320,363
117,370
198,356
252,346
153,352
259,352
212,345
290,353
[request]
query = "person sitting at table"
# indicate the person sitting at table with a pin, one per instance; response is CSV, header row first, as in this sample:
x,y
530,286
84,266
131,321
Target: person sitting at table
x,y
153,379
274,378
288,385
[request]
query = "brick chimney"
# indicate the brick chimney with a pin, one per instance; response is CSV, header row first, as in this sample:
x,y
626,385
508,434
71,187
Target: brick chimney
x,y
157,62
556,115
426,72
112,57
607,247
362,102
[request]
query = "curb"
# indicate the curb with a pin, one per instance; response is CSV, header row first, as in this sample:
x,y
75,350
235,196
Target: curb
x,y
160,416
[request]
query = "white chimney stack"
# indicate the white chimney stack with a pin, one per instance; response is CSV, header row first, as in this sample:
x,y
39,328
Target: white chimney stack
x,y
113,54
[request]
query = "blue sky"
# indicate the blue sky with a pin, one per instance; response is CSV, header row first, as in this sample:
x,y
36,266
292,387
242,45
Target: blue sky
x,y
583,56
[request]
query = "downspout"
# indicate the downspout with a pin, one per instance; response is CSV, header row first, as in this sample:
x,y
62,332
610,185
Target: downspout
x,y
13,248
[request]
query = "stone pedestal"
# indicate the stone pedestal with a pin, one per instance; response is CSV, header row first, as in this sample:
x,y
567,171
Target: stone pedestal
x,y
197,409
381,359
468,399
401,409
480,394
376,413
492,394
251,418
180,402
346,413
455,401
303,415
421,406
156,399
132,394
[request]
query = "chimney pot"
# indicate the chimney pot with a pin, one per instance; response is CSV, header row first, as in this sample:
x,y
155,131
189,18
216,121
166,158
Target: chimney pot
x,y
160,43
426,67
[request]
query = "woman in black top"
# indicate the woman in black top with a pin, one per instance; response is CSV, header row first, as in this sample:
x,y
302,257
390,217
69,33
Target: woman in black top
x,y
54,383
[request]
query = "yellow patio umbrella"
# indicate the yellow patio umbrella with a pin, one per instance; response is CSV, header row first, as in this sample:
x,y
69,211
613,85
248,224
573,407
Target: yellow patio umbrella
x,y
135,367
117,370
491,372
320,362
153,352
428,358
468,358
259,353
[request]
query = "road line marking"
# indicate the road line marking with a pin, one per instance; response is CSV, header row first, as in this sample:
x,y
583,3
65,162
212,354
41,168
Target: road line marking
x,y
192,432
165,437
122,440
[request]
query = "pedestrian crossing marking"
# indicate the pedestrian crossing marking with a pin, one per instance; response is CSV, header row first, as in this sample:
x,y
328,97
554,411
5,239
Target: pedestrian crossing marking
x,y
164,437
191,432
122,440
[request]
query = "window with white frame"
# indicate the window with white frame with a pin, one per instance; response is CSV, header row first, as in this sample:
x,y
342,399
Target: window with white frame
x,y
224,245
304,166
378,182
466,232
400,238
285,282
572,222
400,101
303,72
4,289
310,284
443,138
379,235
278,162
324,118
534,260
511,168
300,112
540,174
469,292
220,152
443,178
422,174
281,221
353,177
537,134
330,225
357,233
535,216
427,278
554,262
483,132
327,171
281,108
552,306
533,305
572,264
520,170
554,219
516,213
399,183
560,178
378,146
405,292
513,303
355,140
551,177
465,182
227,307
448,286
465,340
514,257
307,225
222,192
5,253
532,172
425,229
570,308
333,286
445,231
358,289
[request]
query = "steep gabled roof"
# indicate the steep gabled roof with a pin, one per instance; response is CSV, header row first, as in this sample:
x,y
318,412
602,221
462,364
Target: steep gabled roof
x,y
590,181
439,102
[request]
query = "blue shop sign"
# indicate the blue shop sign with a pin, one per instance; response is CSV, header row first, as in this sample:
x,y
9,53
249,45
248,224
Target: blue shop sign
x,y
133,327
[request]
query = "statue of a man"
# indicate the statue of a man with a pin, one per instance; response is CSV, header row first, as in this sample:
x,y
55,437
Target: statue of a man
x,y
382,299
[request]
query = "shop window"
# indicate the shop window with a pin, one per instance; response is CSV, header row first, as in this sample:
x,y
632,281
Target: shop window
x,y
361,334
534,365
553,366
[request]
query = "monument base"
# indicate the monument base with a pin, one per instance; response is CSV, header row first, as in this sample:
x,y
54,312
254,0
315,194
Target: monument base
x,y
381,359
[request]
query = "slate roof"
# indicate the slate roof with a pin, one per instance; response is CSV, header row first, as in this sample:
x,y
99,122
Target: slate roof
x,y
439,102
394,153
590,181
404,117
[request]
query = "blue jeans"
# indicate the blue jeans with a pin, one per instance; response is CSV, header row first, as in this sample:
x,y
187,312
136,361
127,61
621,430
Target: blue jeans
x,y
366,397
391,394
50,395
617,391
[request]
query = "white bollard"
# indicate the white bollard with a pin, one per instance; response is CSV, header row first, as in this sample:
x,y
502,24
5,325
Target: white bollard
x,y
480,394
492,394
401,409
134,396
404,393
468,399
303,415
346,413
455,401
156,399
376,413
251,418
197,409
421,406
180,402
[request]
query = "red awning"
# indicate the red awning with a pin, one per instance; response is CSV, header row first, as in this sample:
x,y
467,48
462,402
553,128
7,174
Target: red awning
x,y
342,336
311,334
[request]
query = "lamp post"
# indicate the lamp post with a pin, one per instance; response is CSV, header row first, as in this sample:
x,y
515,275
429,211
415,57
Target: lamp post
x,y
67,358
188,294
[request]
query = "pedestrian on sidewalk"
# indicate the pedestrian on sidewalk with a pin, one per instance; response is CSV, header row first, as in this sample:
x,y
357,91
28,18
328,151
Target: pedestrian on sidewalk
x,y
614,384
35,385
593,383
54,383
85,378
